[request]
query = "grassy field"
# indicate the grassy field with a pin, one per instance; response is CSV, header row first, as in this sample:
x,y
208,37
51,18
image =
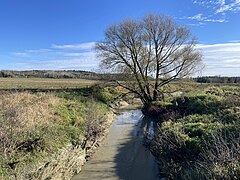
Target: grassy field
x,y
44,83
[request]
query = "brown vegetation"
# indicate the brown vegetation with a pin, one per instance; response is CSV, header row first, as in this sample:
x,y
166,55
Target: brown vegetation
x,y
48,136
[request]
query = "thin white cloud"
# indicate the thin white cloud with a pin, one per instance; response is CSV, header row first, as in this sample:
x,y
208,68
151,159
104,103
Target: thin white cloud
x,y
201,18
221,59
82,46
234,41
72,56
21,54
81,54
233,6
38,50
56,64
198,24
220,6
29,53
198,17
215,11
216,20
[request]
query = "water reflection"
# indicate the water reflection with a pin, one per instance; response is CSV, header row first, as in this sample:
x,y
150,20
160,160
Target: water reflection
x,y
148,127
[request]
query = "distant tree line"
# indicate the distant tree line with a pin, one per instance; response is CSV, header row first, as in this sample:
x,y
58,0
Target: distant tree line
x,y
49,74
77,74
217,79
71,74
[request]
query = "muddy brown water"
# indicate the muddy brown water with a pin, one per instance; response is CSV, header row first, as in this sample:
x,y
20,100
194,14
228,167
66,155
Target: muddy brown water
x,y
122,155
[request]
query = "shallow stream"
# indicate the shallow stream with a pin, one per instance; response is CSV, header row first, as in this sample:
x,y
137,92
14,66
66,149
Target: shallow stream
x,y
123,155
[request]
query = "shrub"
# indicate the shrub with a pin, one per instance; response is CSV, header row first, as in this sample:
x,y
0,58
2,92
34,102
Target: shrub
x,y
204,118
200,129
198,104
215,91
105,95
230,115
182,148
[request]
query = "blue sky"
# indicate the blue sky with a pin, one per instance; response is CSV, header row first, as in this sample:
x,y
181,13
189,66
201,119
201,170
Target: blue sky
x,y
60,34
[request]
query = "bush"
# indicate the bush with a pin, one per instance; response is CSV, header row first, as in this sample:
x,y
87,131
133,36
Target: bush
x,y
206,150
230,115
200,129
195,118
198,104
105,94
215,91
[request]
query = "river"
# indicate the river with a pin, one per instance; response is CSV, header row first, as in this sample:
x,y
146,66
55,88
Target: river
x,y
122,155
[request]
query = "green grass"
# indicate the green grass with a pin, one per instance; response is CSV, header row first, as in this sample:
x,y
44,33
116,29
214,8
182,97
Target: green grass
x,y
44,83
202,140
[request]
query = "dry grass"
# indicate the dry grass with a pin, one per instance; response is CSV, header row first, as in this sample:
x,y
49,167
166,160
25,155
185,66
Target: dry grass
x,y
20,115
222,155
38,129
26,110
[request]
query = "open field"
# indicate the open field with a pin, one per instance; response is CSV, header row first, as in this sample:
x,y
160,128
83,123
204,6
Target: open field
x,y
44,83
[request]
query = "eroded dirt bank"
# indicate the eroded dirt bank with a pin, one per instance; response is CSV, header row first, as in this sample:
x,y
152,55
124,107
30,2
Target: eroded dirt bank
x,y
123,155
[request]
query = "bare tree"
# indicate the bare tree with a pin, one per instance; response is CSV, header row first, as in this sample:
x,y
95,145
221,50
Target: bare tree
x,y
151,53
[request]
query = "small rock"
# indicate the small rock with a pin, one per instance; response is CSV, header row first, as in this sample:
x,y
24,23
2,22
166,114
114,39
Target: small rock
x,y
123,104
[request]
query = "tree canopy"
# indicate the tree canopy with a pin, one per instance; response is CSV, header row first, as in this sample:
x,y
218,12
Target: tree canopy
x,y
150,52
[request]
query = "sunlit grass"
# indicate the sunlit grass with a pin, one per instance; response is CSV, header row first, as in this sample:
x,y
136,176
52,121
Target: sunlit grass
x,y
44,83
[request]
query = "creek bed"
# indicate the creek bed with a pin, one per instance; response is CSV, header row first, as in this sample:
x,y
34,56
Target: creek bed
x,y
122,155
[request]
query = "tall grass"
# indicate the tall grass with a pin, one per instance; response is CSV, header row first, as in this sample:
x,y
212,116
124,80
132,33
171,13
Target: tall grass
x,y
21,116
36,128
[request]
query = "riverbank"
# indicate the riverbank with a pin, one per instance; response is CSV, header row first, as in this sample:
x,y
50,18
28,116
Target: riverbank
x,y
49,135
